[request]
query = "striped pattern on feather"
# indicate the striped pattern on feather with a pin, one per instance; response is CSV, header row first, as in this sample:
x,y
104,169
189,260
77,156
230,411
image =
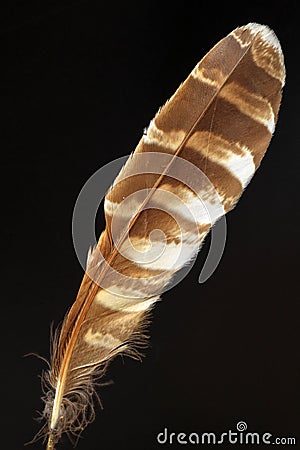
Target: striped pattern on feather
x,y
220,120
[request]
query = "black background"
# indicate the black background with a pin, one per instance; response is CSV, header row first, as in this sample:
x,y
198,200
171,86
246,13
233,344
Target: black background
x,y
79,82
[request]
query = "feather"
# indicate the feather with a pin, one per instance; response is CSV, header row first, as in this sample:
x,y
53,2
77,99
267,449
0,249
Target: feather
x,y
189,168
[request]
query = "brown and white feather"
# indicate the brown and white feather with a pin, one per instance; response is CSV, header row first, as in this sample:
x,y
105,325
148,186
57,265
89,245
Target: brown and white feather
x,y
221,120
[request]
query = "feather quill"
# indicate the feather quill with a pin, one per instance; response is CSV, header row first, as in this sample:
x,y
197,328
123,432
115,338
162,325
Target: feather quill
x,y
219,121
